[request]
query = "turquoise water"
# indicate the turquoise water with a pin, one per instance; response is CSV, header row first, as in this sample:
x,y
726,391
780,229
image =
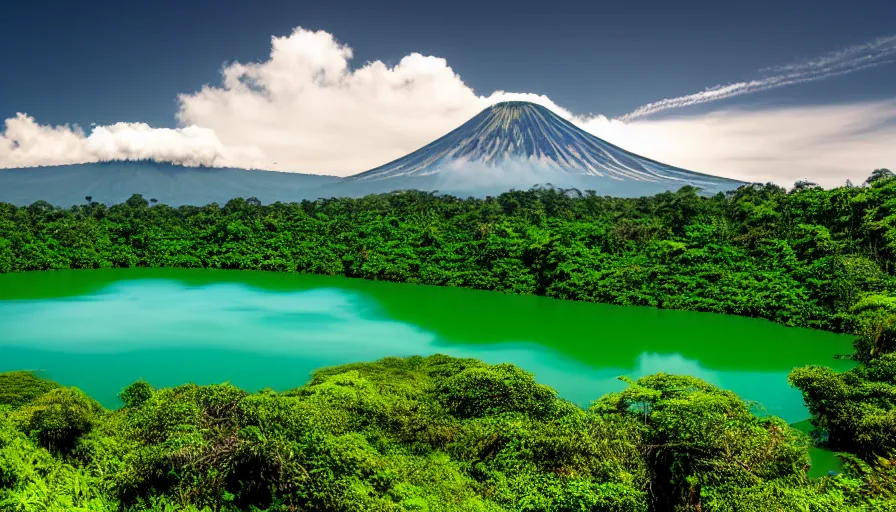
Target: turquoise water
x,y
101,330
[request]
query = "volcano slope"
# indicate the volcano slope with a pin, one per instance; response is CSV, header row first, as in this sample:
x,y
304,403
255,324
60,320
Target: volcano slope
x,y
521,144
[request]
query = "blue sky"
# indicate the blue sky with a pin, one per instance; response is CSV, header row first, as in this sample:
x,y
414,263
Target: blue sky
x,y
109,62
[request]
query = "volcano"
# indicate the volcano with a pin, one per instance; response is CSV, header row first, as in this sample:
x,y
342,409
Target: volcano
x,y
514,143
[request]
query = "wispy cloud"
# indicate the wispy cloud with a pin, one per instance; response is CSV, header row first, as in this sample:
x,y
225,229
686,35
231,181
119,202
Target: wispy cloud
x,y
859,54
874,53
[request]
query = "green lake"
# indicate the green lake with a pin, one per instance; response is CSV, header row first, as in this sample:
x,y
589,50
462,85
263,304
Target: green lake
x,y
102,329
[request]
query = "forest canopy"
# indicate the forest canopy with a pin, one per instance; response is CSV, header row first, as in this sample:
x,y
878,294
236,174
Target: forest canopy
x,y
801,258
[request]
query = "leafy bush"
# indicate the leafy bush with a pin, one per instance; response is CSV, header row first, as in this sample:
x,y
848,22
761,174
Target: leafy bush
x,y
704,443
486,391
434,433
136,394
19,388
58,418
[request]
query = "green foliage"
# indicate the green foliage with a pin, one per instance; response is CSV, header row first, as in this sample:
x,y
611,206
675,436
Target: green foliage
x,y
435,433
802,258
704,446
869,485
875,320
879,175
19,388
854,410
31,479
58,418
482,391
136,394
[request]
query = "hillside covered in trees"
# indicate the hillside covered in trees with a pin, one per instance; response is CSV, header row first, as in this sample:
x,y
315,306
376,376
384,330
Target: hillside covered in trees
x,y
802,258
445,434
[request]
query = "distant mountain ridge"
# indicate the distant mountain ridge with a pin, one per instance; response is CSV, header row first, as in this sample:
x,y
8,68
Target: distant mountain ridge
x,y
114,182
508,145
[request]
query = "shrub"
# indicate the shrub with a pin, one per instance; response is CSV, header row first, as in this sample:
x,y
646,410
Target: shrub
x,y
58,418
136,394
19,388
476,392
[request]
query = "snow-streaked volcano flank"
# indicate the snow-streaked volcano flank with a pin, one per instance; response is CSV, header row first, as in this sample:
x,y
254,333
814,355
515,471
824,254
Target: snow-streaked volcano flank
x,y
519,141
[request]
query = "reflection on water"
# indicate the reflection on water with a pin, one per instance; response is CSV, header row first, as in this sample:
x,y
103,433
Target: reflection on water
x,y
171,327
165,315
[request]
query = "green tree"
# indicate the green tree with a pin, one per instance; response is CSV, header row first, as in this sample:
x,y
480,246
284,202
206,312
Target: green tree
x,y
879,175
58,418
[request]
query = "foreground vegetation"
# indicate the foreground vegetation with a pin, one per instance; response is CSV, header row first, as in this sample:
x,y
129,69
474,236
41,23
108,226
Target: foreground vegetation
x,y
435,433
448,434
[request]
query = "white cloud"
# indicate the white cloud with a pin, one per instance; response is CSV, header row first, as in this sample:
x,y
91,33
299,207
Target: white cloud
x,y
847,60
851,56
305,110
191,146
826,144
520,173
25,143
